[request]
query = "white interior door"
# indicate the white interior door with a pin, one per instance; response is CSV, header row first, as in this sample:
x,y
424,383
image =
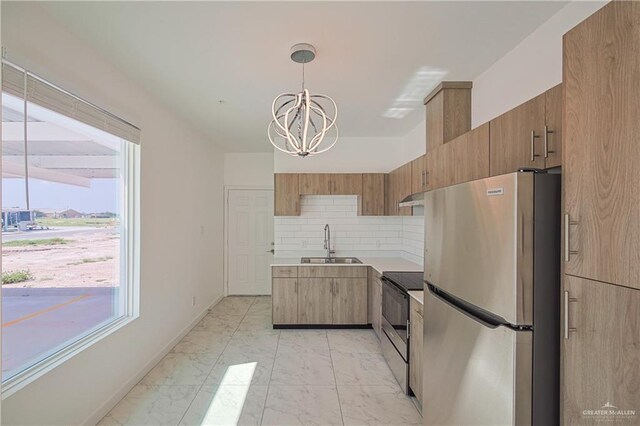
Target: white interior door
x,y
250,241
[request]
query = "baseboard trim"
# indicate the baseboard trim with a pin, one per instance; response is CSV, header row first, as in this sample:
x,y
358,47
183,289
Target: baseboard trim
x,y
321,326
104,409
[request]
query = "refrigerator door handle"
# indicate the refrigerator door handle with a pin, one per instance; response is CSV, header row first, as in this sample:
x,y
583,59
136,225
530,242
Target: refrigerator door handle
x,y
476,313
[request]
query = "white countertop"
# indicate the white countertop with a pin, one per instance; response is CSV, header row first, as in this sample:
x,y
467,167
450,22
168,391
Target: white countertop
x,y
380,264
418,295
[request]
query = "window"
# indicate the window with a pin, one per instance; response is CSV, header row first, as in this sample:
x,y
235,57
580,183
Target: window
x,y
68,223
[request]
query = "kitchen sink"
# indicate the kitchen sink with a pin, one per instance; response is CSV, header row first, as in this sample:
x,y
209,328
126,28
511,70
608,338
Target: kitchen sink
x,y
333,260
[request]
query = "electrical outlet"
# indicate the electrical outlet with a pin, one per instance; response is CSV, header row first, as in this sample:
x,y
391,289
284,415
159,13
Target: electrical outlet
x,y
201,229
304,243
378,243
193,301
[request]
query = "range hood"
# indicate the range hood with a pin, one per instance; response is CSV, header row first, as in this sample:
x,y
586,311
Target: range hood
x,y
413,200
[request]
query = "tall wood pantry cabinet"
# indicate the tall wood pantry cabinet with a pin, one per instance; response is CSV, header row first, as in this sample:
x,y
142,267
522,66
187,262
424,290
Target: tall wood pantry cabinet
x,y
601,184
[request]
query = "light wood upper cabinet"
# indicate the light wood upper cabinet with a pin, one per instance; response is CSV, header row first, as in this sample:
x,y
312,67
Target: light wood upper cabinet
x,y
448,112
419,175
415,348
600,359
315,184
330,184
552,145
349,300
346,184
469,156
517,138
403,182
393,195
286,194
601,150
389,182
372,202
435,168
434,121
315,301
284,295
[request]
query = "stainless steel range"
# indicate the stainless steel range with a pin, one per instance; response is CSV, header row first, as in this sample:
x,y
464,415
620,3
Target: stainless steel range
x,y
395,321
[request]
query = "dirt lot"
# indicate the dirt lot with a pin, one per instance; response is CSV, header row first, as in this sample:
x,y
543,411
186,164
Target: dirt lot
x,y
88,258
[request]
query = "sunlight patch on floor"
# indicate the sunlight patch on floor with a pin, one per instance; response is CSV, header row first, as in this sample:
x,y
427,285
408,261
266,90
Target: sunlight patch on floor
x,y
228,401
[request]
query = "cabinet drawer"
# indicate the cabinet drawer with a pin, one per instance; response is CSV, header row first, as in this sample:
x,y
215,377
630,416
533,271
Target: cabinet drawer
x,y
332,271
284,271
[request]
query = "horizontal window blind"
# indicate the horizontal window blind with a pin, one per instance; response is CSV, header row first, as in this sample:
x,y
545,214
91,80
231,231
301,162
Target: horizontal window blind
x,y
49,96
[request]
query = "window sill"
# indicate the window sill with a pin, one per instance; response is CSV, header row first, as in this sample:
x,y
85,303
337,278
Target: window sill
x,y
38,370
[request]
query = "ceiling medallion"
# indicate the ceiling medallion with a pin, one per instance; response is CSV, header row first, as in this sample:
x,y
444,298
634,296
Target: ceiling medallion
x,y
302,122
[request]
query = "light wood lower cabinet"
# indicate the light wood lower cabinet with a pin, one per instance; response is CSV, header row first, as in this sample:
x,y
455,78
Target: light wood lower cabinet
x,y
349,300
284,296
315,301
320,295
376,303
415,348
601,351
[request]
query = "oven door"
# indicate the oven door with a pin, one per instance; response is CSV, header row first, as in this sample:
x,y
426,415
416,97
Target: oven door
x,y
395,316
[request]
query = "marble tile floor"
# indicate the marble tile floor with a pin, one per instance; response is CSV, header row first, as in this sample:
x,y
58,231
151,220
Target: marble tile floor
x,y
234,369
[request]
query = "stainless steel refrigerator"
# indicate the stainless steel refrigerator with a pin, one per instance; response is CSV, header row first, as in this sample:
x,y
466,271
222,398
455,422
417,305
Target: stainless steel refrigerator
x,y
492,295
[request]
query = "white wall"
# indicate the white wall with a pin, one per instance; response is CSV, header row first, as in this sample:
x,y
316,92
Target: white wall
x,y
532,67
248,169
351,235
414,143
181,170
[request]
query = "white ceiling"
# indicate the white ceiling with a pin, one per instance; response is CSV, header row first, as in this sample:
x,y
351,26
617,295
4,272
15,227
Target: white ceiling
x,y
193,54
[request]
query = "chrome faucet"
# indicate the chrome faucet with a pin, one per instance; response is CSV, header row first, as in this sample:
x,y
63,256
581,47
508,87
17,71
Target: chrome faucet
x,y
327,241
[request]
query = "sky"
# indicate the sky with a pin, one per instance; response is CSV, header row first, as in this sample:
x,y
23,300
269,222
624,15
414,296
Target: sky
x,y
102,196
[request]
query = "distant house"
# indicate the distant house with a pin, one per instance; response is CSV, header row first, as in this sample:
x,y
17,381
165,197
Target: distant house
x,y
69,214
103,215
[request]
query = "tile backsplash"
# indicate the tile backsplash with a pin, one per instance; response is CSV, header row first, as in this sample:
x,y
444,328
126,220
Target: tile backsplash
x,y
373,236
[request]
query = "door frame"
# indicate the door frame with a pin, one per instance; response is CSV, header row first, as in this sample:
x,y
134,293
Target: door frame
x,y
225,247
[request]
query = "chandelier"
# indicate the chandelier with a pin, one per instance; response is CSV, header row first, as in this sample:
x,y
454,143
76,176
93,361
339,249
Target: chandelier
x,y
302,121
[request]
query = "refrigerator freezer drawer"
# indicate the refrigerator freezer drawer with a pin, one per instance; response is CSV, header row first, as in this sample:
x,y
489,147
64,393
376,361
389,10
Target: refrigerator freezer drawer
x,y
479,375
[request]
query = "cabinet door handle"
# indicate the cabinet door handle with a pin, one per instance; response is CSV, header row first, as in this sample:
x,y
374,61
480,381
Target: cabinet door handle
x,y
568,329
295,287
533,150
547,132
567,241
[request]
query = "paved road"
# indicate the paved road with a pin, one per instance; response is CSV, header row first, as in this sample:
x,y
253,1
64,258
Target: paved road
x,y
62,232
40,321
